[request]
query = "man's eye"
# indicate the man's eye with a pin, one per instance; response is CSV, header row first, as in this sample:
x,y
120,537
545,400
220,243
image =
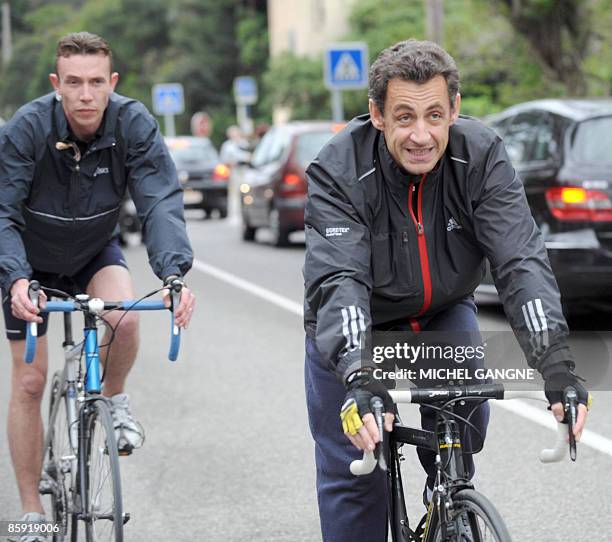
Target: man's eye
x,y
436,116
404,118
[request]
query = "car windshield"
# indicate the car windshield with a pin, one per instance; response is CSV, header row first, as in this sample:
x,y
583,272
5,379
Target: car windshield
x,y
309,144
191,154
592,141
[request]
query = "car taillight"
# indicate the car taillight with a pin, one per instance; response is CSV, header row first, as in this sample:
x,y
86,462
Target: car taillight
x,y
293,184
221,173
574,203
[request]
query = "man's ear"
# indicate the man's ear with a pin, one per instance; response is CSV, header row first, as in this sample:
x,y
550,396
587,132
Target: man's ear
x,y
377,117
456,109
114,80
54,79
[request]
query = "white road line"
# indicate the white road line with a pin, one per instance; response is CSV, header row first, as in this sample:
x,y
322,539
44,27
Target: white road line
x,y
265,294
517,406
545,419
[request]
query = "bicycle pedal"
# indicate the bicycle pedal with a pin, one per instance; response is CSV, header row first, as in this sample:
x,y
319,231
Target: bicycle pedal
x,y
126,517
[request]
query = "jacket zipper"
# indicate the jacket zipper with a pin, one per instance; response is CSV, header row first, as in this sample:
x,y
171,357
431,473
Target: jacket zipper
x,y
422,241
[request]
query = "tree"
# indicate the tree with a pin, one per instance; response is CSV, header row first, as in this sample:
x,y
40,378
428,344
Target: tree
x,y
559,33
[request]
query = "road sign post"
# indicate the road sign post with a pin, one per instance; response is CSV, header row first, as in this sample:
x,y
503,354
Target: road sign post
x,y
245,95
345,67
168,101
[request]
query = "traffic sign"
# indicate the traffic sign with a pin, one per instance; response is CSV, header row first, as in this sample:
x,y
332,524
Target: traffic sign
x,y
168,99
245,90
346,65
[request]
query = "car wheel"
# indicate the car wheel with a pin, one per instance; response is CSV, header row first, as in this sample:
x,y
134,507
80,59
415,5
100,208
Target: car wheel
x,y
248,231
280,235
223,212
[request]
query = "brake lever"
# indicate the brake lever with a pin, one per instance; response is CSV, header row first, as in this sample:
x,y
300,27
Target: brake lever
x,y
571,415
377,406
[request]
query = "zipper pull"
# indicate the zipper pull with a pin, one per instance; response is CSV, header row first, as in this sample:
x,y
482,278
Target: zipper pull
x,y
420,228
405,236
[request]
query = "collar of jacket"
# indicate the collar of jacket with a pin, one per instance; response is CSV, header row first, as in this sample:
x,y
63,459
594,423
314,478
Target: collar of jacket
x,y
105,134
395,174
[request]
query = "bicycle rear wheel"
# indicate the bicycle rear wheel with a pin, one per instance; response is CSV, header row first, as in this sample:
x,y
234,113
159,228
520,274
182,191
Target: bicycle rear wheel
x,y
56,477
103,501
475,519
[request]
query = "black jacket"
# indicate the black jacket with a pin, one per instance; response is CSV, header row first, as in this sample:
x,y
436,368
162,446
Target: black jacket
x,y
383,246
57,212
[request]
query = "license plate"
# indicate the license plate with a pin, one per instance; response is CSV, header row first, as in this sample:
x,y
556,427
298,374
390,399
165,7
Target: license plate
x,y
192,196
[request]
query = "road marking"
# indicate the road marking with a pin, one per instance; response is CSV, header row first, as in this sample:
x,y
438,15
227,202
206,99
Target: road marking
x,y
517,406
545,419
265,294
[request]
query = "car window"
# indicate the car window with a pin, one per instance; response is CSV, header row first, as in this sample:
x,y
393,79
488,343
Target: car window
x,y
308,146
592,141
193,153
545,146
271,147
521,136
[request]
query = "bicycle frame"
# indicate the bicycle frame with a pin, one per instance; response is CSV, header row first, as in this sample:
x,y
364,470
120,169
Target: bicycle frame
x,y
445,441
79,393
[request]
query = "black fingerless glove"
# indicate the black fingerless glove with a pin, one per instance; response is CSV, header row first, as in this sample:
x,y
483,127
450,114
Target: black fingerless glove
x,y
362,386
557,378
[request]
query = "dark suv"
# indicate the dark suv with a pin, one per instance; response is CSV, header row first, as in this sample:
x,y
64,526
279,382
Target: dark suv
x,y
562,150
203,177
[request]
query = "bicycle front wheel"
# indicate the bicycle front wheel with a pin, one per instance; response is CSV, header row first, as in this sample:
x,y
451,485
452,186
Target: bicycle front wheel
x,y
56,480
103,501
474,519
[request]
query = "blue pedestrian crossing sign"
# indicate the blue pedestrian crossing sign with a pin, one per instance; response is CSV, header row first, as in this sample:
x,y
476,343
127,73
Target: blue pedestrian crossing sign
x,y
346,65
168,99
245,90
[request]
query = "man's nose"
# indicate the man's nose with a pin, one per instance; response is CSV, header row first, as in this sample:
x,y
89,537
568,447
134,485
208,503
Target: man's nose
x,y
420,133
86,95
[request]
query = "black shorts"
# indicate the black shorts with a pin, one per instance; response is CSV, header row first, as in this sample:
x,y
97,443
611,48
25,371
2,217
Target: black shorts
x,y
77,284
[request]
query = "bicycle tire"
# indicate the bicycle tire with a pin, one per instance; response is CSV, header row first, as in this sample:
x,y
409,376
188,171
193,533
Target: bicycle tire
x,y
485,522
55,467
103,501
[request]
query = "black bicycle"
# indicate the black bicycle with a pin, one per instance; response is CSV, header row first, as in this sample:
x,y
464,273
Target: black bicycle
x,y
456,511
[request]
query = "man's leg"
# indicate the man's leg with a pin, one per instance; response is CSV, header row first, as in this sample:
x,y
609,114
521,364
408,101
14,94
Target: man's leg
x,y
461,324
114,283
351,508
24,424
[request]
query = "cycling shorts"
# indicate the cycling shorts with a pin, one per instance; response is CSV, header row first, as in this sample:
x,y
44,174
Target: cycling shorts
x,y
111,254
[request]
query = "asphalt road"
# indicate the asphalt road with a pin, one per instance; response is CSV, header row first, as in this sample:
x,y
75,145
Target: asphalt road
x,y
228,454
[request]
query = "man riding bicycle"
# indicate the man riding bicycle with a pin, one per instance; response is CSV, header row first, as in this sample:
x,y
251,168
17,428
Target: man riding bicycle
x,y
67,159
404,205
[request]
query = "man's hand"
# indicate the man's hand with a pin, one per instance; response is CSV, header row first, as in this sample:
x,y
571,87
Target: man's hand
x,y
357,419
21,305
184,311
554,385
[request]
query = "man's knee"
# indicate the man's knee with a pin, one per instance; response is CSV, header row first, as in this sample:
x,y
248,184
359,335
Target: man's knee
x,y
30,385
126,327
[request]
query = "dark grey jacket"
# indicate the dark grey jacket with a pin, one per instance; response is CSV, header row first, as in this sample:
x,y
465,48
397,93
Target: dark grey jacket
x,y
57,212
383,246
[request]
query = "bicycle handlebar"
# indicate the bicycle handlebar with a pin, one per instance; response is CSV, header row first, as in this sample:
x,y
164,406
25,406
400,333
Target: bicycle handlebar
x,y
95,306
367,464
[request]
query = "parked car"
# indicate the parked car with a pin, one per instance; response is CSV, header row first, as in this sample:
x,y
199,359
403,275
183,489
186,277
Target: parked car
x,y
274,187
203,176
562,150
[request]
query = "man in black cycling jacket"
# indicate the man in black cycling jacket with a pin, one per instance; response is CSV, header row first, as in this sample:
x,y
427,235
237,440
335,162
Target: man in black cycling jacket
x,y
66,160
404,206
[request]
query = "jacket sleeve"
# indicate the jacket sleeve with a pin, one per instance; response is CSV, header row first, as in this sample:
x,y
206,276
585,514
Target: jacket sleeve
x,y
511,240
158,197
337,273
17,163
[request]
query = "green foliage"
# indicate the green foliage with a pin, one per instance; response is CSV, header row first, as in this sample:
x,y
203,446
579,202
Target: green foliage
x,y
297,83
